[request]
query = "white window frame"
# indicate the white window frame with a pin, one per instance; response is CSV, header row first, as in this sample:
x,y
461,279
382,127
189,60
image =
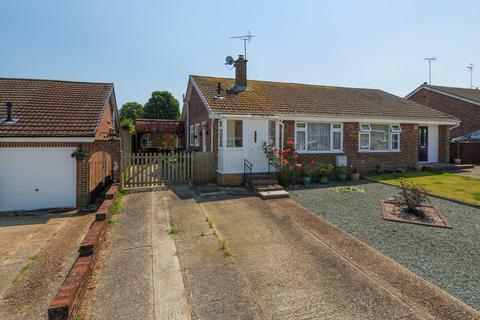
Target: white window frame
x,y
393,129
226,133
305,129
191,135
196,134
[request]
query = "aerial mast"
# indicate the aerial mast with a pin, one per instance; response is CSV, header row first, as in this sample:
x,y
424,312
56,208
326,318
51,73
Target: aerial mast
x,y
244,38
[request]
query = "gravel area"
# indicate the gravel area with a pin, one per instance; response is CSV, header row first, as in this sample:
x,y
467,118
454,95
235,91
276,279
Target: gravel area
x,y
449,258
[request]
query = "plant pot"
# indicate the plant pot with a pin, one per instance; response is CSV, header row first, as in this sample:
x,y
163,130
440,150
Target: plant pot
x,y
342,176
457,161
355,176
419,167
323,179
307,180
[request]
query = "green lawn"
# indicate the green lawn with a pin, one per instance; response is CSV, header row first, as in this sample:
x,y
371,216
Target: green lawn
x,y
443,184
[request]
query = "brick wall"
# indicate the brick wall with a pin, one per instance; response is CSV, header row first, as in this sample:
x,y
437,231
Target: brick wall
x,y
443,144
103,131
197,113
366,161
229,180
468,113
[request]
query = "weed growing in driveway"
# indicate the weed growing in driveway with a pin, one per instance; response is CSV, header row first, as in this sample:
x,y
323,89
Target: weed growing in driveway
x,y
176,253
34,257
224,247
53,235
79,317
22,271
112,222
210,222
172,226
347,189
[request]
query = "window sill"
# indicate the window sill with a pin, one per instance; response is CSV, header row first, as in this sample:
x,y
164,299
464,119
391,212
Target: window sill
x,y
318,152
379,151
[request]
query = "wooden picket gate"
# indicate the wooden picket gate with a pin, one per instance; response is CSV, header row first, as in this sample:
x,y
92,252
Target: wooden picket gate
x,y
149,170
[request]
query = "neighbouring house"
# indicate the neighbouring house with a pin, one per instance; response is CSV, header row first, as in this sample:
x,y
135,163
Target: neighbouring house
x,y
234,118
58,142
462,103
158,135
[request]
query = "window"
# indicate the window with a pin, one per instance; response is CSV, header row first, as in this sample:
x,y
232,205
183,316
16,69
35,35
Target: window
x,y
191,138
300,136
234,133
197,140
365,127
272,132
220,133
318,137
379,137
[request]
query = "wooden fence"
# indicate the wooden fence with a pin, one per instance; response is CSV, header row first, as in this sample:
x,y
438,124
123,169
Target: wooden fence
x,y
146,170
468,152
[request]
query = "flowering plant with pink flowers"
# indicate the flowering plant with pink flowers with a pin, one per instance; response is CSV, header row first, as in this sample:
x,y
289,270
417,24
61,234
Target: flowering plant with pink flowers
x,y
287,159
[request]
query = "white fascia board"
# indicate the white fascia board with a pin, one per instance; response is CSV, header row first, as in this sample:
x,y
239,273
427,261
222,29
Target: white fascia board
x,y
46,139
444,93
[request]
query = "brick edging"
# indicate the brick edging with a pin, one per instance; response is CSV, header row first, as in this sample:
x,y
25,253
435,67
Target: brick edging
x,y
64,305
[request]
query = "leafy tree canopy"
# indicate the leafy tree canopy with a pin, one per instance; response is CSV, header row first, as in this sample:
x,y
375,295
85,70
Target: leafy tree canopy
x,y
131,111
162,105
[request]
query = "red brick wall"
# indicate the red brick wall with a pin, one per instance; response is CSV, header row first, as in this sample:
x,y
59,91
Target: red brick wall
x,y
468,113
367,161
103,131
197,113
443,144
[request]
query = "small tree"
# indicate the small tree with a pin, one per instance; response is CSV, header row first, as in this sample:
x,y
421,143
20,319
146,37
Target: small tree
x,y
131,111
413,196
162,105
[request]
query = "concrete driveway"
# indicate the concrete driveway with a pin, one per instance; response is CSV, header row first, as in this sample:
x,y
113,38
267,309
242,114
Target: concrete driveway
x,y
277,261
37,250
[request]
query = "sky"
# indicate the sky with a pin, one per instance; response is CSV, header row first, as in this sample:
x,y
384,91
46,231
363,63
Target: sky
x,y
142,46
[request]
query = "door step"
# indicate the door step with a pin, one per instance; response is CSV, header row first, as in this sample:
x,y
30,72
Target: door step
x,y
267,187
275,194
264,182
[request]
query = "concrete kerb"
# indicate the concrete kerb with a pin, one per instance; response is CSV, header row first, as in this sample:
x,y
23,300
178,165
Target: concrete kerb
x,y
65,303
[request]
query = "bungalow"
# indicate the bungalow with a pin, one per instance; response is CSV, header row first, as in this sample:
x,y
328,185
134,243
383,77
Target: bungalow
x,y
359,127
58,142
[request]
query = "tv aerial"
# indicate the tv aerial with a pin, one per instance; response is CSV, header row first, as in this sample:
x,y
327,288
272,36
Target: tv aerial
x,y
244,38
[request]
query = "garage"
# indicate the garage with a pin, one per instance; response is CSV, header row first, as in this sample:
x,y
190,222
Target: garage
x,y
37,178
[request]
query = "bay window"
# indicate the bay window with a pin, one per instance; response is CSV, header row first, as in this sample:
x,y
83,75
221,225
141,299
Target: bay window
x,y
318,137
379,137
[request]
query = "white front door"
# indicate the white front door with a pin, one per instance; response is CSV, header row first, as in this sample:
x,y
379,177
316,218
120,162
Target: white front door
x,y
256,137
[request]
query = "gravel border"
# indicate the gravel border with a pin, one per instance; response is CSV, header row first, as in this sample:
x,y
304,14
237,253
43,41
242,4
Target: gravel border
x,y
449,258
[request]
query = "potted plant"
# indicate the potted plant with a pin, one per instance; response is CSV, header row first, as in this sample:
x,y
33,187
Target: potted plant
x,y
418,167
342,173
379,169
457,161
354,174
79,154
324,170
306,178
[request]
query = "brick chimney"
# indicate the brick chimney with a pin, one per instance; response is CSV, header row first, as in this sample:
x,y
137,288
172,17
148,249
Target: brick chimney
x,y
241,73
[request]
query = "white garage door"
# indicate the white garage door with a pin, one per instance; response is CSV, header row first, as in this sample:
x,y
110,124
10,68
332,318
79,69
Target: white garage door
x,y
36,178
